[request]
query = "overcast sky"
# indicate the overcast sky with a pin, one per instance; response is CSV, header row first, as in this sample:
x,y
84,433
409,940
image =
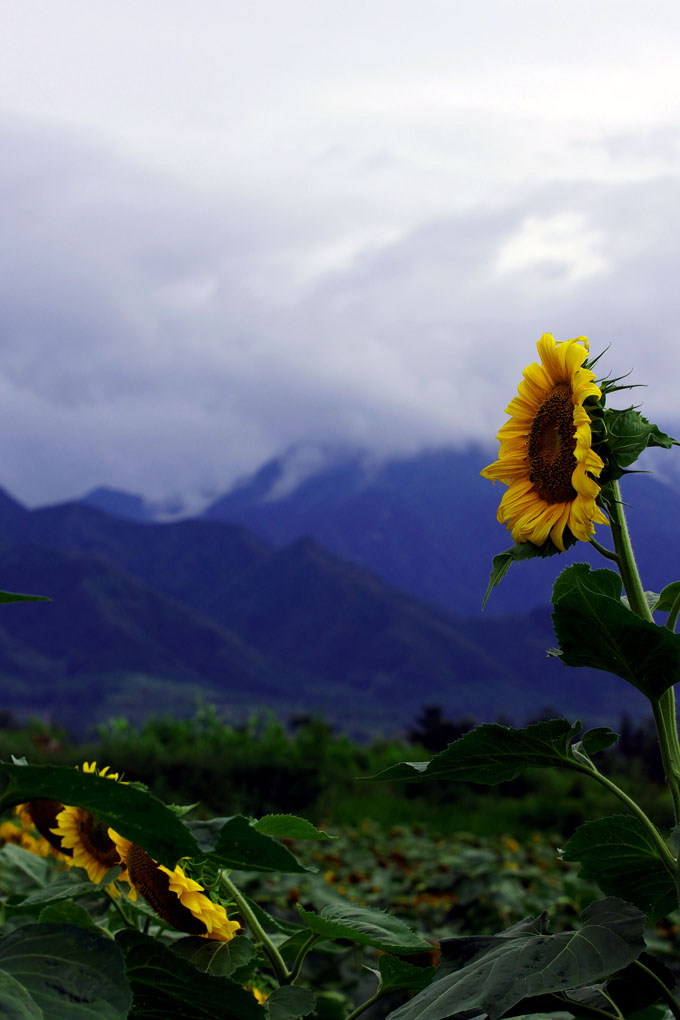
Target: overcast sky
x,y
229,226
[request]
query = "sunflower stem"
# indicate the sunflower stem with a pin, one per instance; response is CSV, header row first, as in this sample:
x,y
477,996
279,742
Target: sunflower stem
x,y
666,993
673,615
260,935
607,553
300,958
663,706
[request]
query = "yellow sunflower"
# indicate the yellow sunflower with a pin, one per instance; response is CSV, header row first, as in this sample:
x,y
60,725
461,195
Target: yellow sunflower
x,y
87,839
546,457
174,896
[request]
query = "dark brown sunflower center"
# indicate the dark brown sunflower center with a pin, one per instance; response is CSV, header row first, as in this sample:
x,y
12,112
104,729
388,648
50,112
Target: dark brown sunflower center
x,y
154,886
551,447
44,817
96,840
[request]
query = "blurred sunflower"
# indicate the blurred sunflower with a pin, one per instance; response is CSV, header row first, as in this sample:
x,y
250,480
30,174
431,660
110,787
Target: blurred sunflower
x,y
41,815
174,896
546,456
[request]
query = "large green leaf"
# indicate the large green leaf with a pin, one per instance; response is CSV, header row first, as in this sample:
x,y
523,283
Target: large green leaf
x,y
364,925
132,812
15,1002
239,845
595,629
164,985
289,827
290,1002
619,854
523,963
70,973
495,754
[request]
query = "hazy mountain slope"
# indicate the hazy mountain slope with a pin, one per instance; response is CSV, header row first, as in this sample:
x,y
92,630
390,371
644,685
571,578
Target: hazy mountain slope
x,y
427,524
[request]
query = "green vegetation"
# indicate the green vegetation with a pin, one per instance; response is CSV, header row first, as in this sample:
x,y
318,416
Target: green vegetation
x,y
304,768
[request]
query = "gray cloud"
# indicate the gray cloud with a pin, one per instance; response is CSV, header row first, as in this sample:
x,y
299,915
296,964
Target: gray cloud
x,y
164,339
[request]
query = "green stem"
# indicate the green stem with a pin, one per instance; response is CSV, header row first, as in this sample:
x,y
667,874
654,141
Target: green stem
x,y
580,1009
300,958
673,615
624,553
607,553
260,935
666,994
663,707
126,919
364,1006
634,807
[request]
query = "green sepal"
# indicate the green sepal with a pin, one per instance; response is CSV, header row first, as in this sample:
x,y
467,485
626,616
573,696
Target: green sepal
x,y
502,562
365,925
619,854
492,753
595,629
494,973
619,437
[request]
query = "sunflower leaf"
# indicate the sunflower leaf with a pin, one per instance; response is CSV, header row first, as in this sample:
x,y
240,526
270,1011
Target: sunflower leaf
x,y
502,562
668,596
289,827
239,845
164,985
133,813
508,968
67,971
221,959
620,856
290,1002
595,629
496,754
365,925
396,974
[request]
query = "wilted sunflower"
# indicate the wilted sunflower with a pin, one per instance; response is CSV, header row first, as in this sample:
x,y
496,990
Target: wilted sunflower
x,y
174,896
546,457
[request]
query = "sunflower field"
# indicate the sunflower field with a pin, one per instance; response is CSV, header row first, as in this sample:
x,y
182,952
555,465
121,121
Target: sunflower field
x,y
120,902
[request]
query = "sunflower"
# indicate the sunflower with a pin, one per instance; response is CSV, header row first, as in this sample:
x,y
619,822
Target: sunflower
x,y
174,896
546,456
41,815
87,839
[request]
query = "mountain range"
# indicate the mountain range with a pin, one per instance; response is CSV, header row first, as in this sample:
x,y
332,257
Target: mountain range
x,y
353,592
